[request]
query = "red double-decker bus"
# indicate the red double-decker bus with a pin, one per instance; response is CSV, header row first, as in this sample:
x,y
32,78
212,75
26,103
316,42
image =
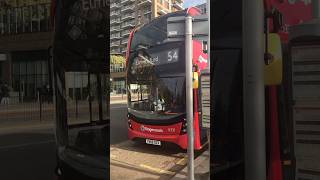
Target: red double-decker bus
x,y
156,85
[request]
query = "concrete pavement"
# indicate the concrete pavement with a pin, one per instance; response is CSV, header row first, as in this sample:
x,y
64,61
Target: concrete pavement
x,y
201,170
122,151
137,160
117,99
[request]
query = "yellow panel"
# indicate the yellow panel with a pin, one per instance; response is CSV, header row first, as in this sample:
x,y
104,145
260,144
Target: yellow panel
x,y
195,82
273,71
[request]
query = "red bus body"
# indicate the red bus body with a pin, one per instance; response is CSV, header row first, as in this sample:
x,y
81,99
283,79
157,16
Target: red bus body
x,y
172,132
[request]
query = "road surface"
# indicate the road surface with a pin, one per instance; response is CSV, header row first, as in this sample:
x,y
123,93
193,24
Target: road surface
x,y
28,154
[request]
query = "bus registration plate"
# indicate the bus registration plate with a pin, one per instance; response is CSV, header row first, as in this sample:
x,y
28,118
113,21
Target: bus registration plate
x,y
153,142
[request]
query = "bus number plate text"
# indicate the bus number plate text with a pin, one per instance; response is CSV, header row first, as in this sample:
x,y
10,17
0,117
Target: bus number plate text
x,y
153,142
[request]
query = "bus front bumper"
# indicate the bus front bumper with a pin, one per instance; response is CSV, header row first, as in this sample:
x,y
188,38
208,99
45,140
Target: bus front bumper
x,y
180,140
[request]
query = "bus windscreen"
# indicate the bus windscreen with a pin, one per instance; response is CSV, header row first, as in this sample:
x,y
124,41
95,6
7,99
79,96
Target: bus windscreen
x,y
156,81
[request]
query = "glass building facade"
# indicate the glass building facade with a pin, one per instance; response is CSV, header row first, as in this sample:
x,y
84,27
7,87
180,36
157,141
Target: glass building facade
x,y
17,16
30,72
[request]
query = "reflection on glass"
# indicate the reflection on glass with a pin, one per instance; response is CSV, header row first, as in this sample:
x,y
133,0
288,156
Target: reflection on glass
x,y
12,21
5,21
87,112
149,91
1,21
34,18
19,20
24,19
28,77
162,95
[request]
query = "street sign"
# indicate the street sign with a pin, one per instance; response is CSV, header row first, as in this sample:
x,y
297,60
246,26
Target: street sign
x,y
200,27
176,27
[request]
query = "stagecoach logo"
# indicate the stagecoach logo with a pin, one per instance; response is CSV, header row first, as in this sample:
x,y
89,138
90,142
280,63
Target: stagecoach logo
x,y
202,59
143,128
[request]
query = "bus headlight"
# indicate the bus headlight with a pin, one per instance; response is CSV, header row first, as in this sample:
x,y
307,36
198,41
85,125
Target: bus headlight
x,y
129,124
184,126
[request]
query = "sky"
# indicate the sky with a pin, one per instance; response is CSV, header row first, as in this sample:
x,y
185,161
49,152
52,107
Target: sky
x,y
188,3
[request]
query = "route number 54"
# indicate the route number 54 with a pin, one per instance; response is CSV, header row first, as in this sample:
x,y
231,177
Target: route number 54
x,y
172,55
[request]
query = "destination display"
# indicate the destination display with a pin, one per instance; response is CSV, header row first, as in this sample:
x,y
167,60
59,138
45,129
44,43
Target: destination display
x,y
145,60
163,57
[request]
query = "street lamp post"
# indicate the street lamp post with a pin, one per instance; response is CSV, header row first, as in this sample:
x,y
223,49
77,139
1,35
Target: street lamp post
x,y
253,90
189,96
189,28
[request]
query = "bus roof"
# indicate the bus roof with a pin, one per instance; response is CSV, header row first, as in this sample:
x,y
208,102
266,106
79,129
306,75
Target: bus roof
x,y
192,11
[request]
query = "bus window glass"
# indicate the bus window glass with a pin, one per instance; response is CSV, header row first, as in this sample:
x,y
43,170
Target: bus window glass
x,y
83,109
156,81
160,95
146,35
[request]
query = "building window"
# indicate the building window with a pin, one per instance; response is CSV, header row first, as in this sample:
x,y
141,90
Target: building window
x,y
118,86
24,19
117,67
29,74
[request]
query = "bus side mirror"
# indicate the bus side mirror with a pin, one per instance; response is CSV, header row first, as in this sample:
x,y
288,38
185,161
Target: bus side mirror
x,y
205,47
195,80
273,67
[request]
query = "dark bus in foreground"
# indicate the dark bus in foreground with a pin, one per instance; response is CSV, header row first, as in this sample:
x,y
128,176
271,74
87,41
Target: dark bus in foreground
x,y
156,85
80,82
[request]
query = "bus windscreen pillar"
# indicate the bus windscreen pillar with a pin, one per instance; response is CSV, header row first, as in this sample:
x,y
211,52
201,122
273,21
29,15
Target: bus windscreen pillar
x,y
315,9
253,90
189,96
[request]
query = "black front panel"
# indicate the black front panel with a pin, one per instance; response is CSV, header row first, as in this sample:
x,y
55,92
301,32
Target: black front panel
x,y
227,126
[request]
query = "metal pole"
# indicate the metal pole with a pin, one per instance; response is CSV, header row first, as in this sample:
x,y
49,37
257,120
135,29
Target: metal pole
x,y
77,112
40,104
208,14
208,66
315,9
189,96
90,103
253,90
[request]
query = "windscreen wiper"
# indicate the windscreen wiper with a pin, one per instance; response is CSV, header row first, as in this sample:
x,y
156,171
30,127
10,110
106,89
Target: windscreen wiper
x,y
142,47
146,59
